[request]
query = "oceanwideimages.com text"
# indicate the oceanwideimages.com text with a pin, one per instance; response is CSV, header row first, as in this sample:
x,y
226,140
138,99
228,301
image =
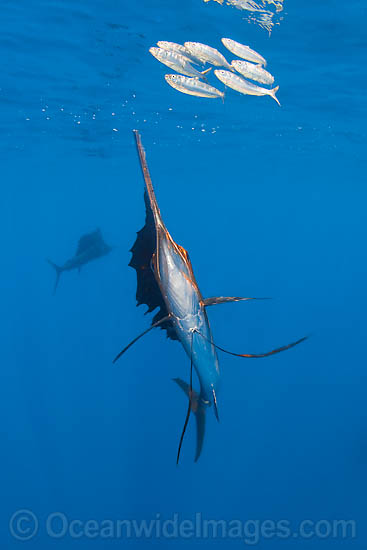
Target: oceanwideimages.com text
x,y
26,525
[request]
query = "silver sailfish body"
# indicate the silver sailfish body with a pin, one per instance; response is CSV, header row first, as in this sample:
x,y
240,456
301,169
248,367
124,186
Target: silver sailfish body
x,y
174,275
183,299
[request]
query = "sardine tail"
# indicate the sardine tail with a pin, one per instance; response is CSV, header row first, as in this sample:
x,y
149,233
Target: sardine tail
x,y
203,73
206,71
273,92
58,270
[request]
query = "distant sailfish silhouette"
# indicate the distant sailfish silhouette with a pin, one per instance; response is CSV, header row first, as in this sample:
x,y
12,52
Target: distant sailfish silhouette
x,y
165,280
90,247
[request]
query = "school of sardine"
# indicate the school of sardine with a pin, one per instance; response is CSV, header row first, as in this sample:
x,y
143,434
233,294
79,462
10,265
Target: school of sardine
x,y
180,58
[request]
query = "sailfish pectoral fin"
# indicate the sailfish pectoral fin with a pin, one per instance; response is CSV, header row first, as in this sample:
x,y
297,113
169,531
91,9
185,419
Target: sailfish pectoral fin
x,y
226,299
164,319
257,356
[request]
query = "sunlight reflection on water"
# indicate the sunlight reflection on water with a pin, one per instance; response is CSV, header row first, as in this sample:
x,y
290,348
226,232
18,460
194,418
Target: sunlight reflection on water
x,y
264,13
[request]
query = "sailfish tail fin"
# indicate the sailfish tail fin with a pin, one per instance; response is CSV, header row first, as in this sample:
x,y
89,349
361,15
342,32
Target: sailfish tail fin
x,y
58,270
198,408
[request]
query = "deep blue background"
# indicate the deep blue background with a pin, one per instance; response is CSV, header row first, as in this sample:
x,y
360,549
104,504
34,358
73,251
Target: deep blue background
x,y
268,201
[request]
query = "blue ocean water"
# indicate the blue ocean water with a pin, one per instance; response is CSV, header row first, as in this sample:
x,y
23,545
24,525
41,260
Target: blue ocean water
x,y
268,201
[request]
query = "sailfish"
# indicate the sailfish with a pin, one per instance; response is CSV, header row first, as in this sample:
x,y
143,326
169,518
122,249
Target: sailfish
x,y
91,246
165,280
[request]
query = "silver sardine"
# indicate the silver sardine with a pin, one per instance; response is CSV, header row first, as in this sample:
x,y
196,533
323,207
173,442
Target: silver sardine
x,y
243,86
178,48
207,54
192,86
243,51
254,72
176,62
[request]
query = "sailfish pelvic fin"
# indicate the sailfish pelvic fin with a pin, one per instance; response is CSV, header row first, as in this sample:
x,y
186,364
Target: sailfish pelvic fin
x,y
198,408
190,404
